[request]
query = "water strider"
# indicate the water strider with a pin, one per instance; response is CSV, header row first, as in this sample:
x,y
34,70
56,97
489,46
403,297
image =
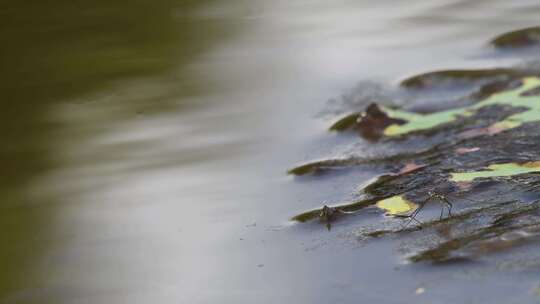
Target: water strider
x,y
432,195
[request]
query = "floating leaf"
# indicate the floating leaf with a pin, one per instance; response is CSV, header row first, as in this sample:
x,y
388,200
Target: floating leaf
x,y
396,205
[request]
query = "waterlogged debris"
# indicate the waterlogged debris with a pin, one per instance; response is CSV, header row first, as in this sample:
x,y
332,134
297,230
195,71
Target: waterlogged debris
x,y
490,130
346,122
378,121
370,123
464,151
325,164
486,210
480,205
520,38
396,205
514,98
319,166
431,79
497,170
374,120
328,214
503,232
464,186
410,167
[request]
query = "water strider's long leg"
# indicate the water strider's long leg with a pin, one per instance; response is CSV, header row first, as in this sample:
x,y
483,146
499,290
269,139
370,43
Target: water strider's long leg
x,y
443,200
412,216
448,205
442,212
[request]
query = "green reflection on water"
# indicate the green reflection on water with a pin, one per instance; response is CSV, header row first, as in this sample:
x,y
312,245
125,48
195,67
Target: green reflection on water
x,y
53,52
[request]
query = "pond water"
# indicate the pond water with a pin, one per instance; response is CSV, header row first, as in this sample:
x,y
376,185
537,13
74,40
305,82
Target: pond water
x,y
146,146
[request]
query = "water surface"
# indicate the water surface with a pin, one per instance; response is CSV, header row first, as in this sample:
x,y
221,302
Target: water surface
x,y
146,145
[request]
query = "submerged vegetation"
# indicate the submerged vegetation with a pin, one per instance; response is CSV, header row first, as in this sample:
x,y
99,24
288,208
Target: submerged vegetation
x,y
483,158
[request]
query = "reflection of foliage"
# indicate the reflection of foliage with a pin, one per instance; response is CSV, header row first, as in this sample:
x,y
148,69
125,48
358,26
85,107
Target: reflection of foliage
x,y
486,165
55,51
71,48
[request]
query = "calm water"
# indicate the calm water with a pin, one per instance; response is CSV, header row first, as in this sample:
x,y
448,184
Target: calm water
x,y
146,144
